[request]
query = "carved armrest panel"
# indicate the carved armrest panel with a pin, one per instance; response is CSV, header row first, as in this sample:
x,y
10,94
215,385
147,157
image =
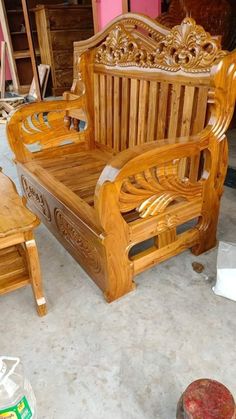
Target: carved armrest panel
x,y
43,125
150,192
47,129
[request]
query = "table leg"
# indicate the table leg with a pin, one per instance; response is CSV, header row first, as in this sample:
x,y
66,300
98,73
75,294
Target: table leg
x,y
35,275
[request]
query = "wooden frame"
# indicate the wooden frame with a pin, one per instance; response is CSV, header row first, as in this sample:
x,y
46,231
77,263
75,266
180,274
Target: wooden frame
x,y
125,7
95,16
7,38
152,156
3,69
43,72
32,49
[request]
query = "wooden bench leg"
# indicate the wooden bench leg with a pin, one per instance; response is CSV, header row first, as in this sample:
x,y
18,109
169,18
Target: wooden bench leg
x,y
119,273
211,199
35,274
119,279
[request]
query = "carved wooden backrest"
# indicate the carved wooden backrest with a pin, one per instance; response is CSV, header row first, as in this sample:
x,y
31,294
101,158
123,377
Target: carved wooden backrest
x,y
150,82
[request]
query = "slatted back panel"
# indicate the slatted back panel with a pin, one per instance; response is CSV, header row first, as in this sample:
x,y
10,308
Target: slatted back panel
x,y
132,111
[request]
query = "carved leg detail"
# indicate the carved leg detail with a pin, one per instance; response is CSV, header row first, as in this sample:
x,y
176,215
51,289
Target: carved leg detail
x,y
207,231
118,267
211,199
165,238
35,274
119,274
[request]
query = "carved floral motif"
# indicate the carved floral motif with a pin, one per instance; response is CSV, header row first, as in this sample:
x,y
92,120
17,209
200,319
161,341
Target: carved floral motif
x,y
186,47
34,195
120,48
152,191
77,239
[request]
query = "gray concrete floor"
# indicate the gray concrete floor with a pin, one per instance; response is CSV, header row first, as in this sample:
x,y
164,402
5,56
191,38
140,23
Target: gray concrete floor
x,y
131,359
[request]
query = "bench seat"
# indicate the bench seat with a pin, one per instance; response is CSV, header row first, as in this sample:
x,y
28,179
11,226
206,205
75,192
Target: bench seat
x,y
78,171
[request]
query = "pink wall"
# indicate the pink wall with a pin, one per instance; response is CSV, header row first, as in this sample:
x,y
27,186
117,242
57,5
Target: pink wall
x,y
150,8
108,9
8,74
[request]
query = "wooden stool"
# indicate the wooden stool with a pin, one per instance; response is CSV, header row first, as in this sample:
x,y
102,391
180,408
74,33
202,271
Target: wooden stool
x,y
206,399
19,262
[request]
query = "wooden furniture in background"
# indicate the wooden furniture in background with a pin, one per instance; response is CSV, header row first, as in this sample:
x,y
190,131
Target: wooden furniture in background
x,y
7,38
58,27
19,263
121,193
33,58
216,17
43,71
13,26
3,69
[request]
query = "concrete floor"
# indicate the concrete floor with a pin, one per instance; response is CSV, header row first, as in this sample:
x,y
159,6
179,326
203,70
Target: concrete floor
x,y
131,359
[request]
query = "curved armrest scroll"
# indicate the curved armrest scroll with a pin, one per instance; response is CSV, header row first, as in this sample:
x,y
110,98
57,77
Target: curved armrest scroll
x,y
42,123
147,177
143,157
46,106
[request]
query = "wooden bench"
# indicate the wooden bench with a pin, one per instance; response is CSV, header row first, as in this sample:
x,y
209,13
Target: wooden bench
x,y
152,157
19,263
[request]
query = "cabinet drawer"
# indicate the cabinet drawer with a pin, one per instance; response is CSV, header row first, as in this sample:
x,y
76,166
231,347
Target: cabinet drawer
x,y
62,60
77,19
63,40
64,77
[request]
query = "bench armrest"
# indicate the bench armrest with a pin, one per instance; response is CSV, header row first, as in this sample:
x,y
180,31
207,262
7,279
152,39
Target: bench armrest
x,y
143,156
45,124
150,174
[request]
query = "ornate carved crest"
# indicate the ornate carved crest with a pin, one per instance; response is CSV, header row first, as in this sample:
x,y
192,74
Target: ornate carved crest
x,y
186,47
120,48
36,197
153,190
74,235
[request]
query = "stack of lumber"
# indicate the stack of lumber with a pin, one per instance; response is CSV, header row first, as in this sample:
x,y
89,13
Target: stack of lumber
x,y
7,105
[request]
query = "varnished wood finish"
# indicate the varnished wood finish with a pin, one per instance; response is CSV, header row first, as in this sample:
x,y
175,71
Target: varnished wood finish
x,y
19,262
58,27
151,158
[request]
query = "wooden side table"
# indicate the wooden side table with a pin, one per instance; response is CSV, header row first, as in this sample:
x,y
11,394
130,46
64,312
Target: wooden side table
x,y
19,262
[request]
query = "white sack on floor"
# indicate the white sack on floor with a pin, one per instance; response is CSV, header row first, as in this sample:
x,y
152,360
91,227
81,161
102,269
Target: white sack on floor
x,y
226,271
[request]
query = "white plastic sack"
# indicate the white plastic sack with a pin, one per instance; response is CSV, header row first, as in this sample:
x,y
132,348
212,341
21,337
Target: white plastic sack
x,y
226,271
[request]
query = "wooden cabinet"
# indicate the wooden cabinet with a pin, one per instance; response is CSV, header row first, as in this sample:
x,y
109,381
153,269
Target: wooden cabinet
x,y
58,27
13,26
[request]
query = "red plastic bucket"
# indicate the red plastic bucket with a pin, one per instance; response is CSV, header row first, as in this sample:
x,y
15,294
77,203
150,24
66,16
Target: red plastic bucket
x,y
206,399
